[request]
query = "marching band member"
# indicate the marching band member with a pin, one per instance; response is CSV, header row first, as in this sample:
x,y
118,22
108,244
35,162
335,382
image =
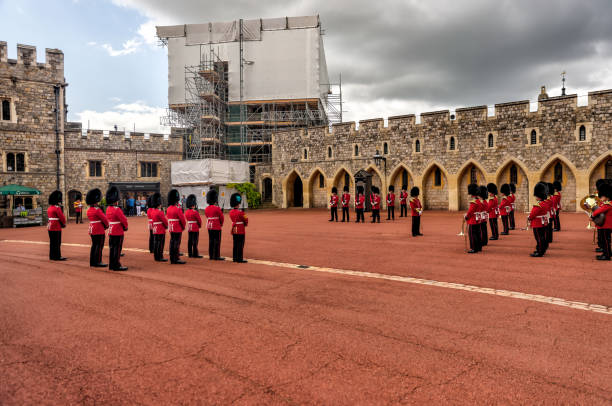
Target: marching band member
x,y
538,219
160,224
214,225
375,202
505,207
545,204
391,203
333,204
598,184
604,231
118,224
416,210
360,204
57,221
176,225
493,210
194,222
150,222
551,211
403,201
474,231
557,200
239,222
346,198
512,197
98,223
484,208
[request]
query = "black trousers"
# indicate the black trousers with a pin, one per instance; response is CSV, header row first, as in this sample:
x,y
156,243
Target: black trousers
x,y
403,210
540,237
159,240
494,227
238,250
115,245
334,213
151,241
557,223
345,212
375,215
511,217
214,244
474,234
416,225
78,217
192,244
359,213
175,245
390,212
505,222
604,235
55,243
549,233
484,234
97,245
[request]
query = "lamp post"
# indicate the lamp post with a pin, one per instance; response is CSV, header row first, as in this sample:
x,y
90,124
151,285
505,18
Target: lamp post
x,y
377,158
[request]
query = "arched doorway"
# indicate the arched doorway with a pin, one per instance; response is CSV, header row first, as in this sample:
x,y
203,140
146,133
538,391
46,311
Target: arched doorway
x,y
343,178
73,196
293,188
376,180
266,192
401,177
470,174
558,170
603,170
435,189
298,192
317,191
513,172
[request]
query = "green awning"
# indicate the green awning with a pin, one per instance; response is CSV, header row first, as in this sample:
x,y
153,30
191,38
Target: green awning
x,y
18,190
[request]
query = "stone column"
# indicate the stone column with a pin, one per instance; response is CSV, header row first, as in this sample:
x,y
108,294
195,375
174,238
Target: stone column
x,y
582,187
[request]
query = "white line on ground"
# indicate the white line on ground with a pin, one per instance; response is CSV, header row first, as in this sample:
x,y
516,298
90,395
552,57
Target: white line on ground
x,y
556,301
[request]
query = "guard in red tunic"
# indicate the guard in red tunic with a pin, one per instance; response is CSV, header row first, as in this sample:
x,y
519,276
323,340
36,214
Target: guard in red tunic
x,y
472,218
239,222
551,211
538,219
333,204
57,221
505,207
557,202
391,203
416,210
194,222
359,204
403,197
98,223
604,231
512,198
176,225
214,225
117,226
160,224
484,215
150,223
346,199
375,202
493,210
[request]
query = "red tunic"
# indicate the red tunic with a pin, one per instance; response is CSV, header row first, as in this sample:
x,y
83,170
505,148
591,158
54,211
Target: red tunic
x,y
194,221
160,223
214,217
375,202
512,198
97,220
472,216
505,207
359,201
346,198
539,215
116,221
415,207
149,216
390,199
482,211
403,197
492,207
239,221
176,219
605,207
333,201
57,220
557,199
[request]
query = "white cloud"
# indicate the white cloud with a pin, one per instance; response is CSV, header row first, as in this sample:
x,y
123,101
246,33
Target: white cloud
x,y
125,116
148,33
92,43
128,47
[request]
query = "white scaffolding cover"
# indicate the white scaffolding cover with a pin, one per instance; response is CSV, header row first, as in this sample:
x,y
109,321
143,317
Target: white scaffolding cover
x,y
208,172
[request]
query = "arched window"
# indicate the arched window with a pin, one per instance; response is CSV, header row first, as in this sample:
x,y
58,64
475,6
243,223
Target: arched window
x,y
20,163
609,169
582,133
473,175
321,180
6,110
438,177
385,148
513,174
329,152
491,141
452,143
417,146
347,179
10,162
305,153
559,172
534,137
405,177
356,150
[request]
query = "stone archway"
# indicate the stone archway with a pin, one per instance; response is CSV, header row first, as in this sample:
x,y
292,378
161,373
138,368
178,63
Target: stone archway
x,y
601,169
558,169
514,172
294,191
317,190
344,178
399,177
471,173
266,190
74,195
435,188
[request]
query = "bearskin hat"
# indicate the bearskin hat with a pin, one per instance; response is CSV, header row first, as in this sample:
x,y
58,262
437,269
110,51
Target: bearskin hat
x,y
557,186
334,190
473,189
505,189
540,190
598,184
414,192
93,196
191,202
212,197
404,187
156,200
360,189
55,197
173,197
492,188
551,188
375,189
346,188
484,193
112,195
512,187
605,190
391,188
235,199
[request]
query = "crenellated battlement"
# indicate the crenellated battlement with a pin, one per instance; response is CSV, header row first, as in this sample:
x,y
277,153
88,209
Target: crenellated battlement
x,y
26,66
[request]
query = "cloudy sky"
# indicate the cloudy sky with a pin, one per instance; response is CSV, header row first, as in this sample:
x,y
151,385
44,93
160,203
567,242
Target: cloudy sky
x,y
395,56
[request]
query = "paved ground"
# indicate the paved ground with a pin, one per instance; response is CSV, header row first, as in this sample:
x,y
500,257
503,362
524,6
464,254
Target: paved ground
x,y
377,318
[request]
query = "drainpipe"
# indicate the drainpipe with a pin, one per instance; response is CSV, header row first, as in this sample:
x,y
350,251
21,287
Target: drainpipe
x,y
56,89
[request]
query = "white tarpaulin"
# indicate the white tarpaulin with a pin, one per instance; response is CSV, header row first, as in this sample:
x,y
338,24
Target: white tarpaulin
x,y
200,193
208,172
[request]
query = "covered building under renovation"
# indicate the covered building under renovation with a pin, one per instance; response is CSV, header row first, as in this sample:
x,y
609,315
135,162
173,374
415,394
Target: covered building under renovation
x,y
232,84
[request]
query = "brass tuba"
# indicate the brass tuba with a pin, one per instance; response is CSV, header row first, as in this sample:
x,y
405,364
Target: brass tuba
x,y
589,204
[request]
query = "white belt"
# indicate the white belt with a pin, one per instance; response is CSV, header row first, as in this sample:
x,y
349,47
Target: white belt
x,y
191,222
94,222
158,222
53,218
238,223
213,218
114,222
173,220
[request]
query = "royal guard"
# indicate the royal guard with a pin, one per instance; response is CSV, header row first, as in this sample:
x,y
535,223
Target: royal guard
x,y
604,231
557,202
598,184
360,204
160,224
214,225
472,218
538,220
493,210
505,207
78,208
194,222
391,203
416,210
375,202
98,223
551,211
546,205
57,221
403,197
176,225
239,223
333,204
346,199
117,226
150,210
512,197
483,193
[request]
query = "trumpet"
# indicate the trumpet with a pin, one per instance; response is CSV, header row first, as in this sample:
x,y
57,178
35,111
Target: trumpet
x,y
528,223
